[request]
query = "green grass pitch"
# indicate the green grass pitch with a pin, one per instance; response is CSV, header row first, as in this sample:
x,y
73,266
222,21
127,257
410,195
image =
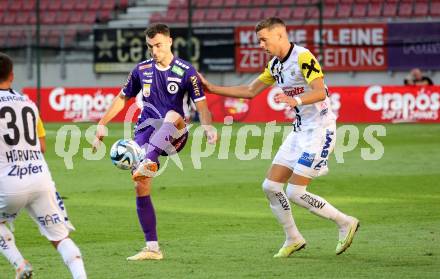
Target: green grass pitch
x,y
215,222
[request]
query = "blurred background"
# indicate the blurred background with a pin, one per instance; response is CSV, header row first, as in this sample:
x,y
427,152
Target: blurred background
x,y
94,44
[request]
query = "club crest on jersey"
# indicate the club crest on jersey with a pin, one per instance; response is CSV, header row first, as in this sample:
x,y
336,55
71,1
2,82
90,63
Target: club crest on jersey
x,y
172,87
146,90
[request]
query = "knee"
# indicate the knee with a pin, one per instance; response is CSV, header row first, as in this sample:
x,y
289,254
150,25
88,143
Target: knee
x,y
294,192
143,187
270,186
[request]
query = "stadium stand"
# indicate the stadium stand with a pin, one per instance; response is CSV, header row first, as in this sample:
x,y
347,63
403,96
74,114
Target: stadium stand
x,y
72,19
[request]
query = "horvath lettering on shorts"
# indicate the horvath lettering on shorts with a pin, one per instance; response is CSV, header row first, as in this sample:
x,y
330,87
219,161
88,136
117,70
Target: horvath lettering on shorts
x,y
312,201
283,201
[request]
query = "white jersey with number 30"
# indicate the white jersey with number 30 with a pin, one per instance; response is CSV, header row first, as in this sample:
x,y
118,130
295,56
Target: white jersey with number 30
x,y
22,165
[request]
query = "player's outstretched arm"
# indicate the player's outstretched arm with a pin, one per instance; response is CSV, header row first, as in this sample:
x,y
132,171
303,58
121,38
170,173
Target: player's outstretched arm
x,y
206,121
315,95
116,106
240,91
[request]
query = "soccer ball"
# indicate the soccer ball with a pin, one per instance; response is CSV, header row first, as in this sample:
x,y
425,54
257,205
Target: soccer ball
x,y
126,153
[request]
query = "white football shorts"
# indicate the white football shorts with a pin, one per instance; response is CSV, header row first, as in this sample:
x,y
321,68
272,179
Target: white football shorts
x,y
42,207
307,152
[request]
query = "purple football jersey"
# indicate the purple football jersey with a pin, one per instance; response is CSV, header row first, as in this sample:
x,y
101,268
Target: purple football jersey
x,y
163,89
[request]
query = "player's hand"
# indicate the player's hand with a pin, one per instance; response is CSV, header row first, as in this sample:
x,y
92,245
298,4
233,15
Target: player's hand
x,y
283,98
101,130
211,134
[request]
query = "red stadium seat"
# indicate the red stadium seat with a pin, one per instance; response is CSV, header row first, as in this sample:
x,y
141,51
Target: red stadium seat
x,y
287,2
390,9
201,3
75,17
244,2
334,2
359,10
273,2
22,18
226,14
270,12
405,10
344,11
82,5
258,3
3,6
363,1
29,5
16,6
312,12
109,5
182,16
216,3
105,15
48,17
68,5
230,3
89,17
435,9
212,15
156,17
94,5
198,15
177,4
299,13
54,5
286,13
62,17
171,15
123,4
255,14
329,11
240,14
421,9
374,10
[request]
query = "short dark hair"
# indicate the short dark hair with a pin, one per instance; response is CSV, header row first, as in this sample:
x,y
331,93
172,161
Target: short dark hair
x,y
269,23
6,65
157,28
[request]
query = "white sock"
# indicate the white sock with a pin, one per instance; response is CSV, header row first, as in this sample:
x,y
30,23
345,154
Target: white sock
x,y
279,203
153,246
8,248
72,258
315,204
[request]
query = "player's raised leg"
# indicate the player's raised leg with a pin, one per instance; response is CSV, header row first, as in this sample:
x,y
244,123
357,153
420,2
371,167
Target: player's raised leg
x,y
297,192
273,187
161,142
147,219
12,254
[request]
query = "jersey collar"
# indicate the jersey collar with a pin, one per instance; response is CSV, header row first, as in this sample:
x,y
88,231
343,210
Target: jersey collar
x,y
288,54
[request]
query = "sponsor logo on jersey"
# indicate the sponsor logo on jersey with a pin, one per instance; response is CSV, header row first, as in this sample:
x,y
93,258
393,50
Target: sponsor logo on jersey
x,y
147,74
195,85
178,62
310,68
174,79
143,67
293,91
14,98
172,87
177,70
146,90
307,159
49,219
312,201
21,171
147,81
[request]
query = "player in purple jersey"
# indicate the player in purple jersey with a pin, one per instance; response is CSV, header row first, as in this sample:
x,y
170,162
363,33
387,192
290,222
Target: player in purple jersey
x,y
164,81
